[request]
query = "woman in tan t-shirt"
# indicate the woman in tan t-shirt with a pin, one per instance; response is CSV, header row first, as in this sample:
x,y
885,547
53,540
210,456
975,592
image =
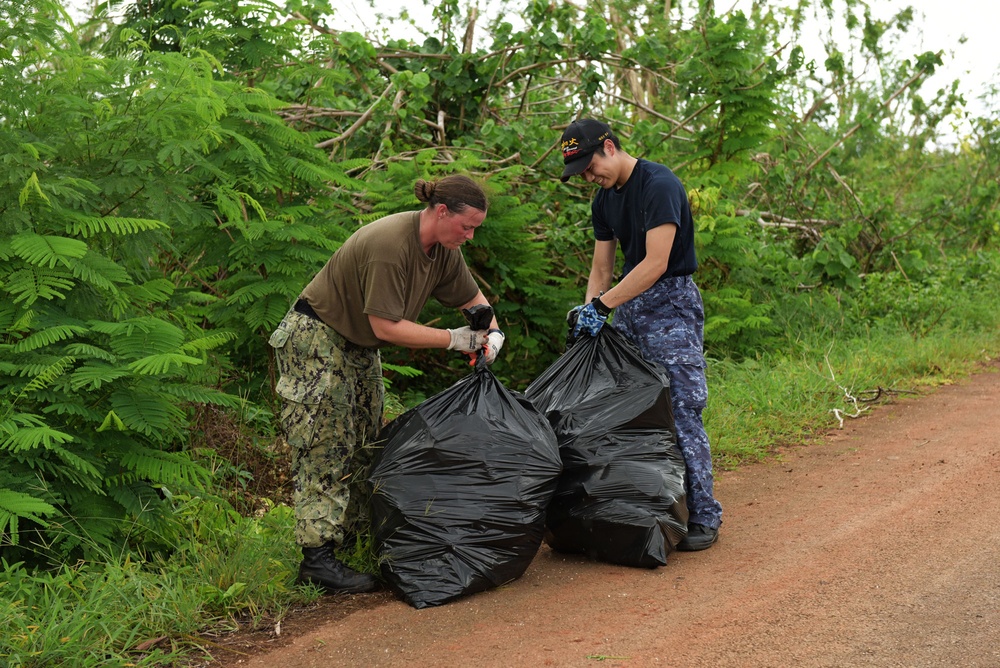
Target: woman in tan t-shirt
x,y
369,294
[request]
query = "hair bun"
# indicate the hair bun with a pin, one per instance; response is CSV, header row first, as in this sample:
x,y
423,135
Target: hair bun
x,y
424,190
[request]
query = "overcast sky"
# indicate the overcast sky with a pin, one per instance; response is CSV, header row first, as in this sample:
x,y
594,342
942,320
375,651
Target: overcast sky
x,y
966,30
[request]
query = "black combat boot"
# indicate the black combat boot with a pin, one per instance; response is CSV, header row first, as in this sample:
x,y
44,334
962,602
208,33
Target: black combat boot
x,y
699,537
320,567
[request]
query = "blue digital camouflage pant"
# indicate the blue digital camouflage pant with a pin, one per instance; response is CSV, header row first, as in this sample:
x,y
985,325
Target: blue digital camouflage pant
x,y
332,396
666,323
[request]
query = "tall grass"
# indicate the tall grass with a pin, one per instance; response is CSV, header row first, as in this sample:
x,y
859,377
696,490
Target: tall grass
x,y
226,570
757,405
94,615
843,355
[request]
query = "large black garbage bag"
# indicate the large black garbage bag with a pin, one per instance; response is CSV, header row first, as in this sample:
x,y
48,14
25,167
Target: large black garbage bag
x,y
621,495
460,490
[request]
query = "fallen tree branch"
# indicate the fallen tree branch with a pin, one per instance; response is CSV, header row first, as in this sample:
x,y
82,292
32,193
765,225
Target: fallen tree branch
x,y
773,217
808,231
768,219
649,110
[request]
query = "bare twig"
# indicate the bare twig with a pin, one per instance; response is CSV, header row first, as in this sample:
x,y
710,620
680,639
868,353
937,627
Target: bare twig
x,y
481,280
189,270
470,31
839,179
400,53
899,91
396,104
898,265
534,66
358,123
314,113
442,138
838,413
315,26
541,158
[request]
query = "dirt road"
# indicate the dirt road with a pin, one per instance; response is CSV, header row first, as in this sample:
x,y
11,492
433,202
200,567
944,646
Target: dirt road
x,y
878,546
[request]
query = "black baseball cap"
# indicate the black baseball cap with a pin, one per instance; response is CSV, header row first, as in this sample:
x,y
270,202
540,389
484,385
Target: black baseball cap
x,y
579,141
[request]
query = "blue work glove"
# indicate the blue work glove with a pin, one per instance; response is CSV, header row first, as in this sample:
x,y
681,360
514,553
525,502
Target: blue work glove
x,y
573,315
592,317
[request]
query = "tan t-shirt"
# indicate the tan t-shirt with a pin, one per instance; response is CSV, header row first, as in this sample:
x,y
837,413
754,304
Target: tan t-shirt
x,y
382,270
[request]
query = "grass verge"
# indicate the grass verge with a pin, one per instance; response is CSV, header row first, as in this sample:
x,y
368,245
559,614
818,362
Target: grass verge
x,y
227,571
759,404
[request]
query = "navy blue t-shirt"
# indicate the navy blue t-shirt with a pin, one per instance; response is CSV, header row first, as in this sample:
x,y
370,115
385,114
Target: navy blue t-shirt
x,y
651,197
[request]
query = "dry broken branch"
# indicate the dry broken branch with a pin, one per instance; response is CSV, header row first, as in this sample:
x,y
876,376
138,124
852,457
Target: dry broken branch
x,y
899,91
396,104
807,225
358,123
773,217
837,412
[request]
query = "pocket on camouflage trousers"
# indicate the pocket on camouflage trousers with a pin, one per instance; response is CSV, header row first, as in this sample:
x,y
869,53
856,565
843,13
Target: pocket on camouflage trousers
x,y
303,352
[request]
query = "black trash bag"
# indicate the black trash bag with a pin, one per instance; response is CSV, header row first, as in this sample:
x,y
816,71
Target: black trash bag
x,y
621,495
460,490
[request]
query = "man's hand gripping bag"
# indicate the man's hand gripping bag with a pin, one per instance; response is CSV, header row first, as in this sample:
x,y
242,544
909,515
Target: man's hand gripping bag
x,y
621,495
460,490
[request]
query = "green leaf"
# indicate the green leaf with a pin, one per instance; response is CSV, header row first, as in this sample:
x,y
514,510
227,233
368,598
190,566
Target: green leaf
x,y
31,186
49,336
89,226
407,371
47,250
94,376
161,363
31,438
34,283
17,505
150,414
112,421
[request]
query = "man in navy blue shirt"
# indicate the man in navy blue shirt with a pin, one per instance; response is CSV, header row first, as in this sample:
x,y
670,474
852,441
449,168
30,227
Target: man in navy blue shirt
x,y
644,206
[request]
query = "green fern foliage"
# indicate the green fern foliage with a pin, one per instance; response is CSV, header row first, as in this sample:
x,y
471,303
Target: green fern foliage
x,y
98,372
157,218
17,505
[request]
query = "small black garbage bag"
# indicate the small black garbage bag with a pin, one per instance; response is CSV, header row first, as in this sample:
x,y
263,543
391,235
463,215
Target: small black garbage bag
x,y
460,490
621,495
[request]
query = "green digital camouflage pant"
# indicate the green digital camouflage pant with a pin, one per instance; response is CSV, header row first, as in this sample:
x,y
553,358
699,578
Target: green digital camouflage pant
x,y
332,397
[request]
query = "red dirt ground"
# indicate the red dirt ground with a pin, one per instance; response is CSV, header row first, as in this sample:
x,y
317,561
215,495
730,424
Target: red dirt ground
x,y
876,546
